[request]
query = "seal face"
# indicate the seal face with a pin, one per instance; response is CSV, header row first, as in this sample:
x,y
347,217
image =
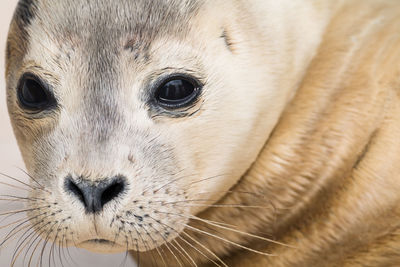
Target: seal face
x,y
124,115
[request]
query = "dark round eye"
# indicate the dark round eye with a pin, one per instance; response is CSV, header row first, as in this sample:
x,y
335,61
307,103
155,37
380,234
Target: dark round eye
x,y
177,92
33,94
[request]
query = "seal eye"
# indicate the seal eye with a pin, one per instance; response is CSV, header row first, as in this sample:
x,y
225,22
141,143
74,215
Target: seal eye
x,y
32,93
177,92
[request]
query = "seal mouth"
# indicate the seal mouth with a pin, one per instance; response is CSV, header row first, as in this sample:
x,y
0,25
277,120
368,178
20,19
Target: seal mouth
x,y
99,242
99,245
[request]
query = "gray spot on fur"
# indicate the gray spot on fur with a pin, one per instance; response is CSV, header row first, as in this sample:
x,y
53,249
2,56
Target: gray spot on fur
x,y
24,12
227,39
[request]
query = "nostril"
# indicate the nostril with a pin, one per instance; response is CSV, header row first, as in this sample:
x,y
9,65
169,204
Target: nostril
x,y
95,195
112,191
72,187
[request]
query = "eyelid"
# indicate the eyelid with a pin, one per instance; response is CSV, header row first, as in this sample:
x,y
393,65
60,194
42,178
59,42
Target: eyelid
x,y
161,80
52,103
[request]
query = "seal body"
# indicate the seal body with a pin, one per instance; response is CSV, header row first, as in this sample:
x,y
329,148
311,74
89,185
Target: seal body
x,y
285,157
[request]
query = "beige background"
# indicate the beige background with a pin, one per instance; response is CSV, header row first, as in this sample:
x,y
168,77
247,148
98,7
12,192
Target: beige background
x,y
10,161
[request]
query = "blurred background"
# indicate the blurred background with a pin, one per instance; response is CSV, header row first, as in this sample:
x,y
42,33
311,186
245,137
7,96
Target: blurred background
x,y
11,165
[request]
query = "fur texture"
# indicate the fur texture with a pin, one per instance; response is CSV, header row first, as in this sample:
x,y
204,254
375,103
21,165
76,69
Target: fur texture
x,y
292,150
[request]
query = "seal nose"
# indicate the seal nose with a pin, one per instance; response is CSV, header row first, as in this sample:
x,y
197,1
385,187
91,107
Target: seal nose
x,y
95,196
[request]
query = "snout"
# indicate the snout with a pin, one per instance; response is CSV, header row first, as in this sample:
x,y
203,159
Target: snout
x,y
95,195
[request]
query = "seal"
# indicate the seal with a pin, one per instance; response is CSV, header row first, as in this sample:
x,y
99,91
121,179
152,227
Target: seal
x,y
211,133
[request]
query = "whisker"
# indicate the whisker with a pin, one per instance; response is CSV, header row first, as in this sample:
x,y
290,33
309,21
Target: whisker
x,y
40,232
60,254
173,254
38,239
123,263
165,240
20,244
12,214
34,250
154,242
178,250
215,222
207,249
208,179
229,241
232,192
186,253
158,251
166,245
25,210
115,238
52,251
40,262
34,237
186,176
15,186
13,200
46,242
68,250
198,250
165,225
223,206
260,196
31,177
144,243
62,248
15,231
241,232
23,198
183,201
161,255
210,205
137,255
23,183
10,224
59,245
229,228
170,182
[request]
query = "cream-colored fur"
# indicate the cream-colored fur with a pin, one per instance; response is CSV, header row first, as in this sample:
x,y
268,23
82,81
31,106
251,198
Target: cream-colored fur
x,y
291,159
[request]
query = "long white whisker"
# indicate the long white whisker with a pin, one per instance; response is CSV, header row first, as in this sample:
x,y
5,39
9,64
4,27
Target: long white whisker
x,y
229,228
186,253
241,232
198,250
166,225
207,249
208,179
222,206
173,254
228,241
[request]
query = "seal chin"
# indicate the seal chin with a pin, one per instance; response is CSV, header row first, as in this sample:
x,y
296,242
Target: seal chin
x,y
101,246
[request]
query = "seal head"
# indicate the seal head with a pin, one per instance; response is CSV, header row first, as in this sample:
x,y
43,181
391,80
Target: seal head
x,y
131,116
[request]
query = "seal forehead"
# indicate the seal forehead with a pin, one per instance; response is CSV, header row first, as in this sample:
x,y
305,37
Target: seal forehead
x,y
98,17
97,22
